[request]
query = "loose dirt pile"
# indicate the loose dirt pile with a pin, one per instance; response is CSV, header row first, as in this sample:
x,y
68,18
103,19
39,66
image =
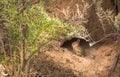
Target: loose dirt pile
x,y
61,62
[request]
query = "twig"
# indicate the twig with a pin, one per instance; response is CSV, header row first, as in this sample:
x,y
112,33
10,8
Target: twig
x,y
107,35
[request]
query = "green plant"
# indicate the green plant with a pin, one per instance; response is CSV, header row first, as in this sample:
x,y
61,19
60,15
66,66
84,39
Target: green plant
x,y
27,32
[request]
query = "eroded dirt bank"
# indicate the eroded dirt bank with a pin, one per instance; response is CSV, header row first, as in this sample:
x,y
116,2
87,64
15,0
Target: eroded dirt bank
x,y
61,62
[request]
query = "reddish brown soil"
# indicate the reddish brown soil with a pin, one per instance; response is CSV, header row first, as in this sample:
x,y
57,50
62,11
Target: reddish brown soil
x,y
61,62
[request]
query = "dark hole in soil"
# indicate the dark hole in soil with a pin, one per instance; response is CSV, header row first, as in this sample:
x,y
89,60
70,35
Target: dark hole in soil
x,y
68,43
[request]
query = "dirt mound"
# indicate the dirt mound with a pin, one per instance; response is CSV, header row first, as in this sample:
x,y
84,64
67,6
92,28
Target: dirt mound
x,y
61,62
